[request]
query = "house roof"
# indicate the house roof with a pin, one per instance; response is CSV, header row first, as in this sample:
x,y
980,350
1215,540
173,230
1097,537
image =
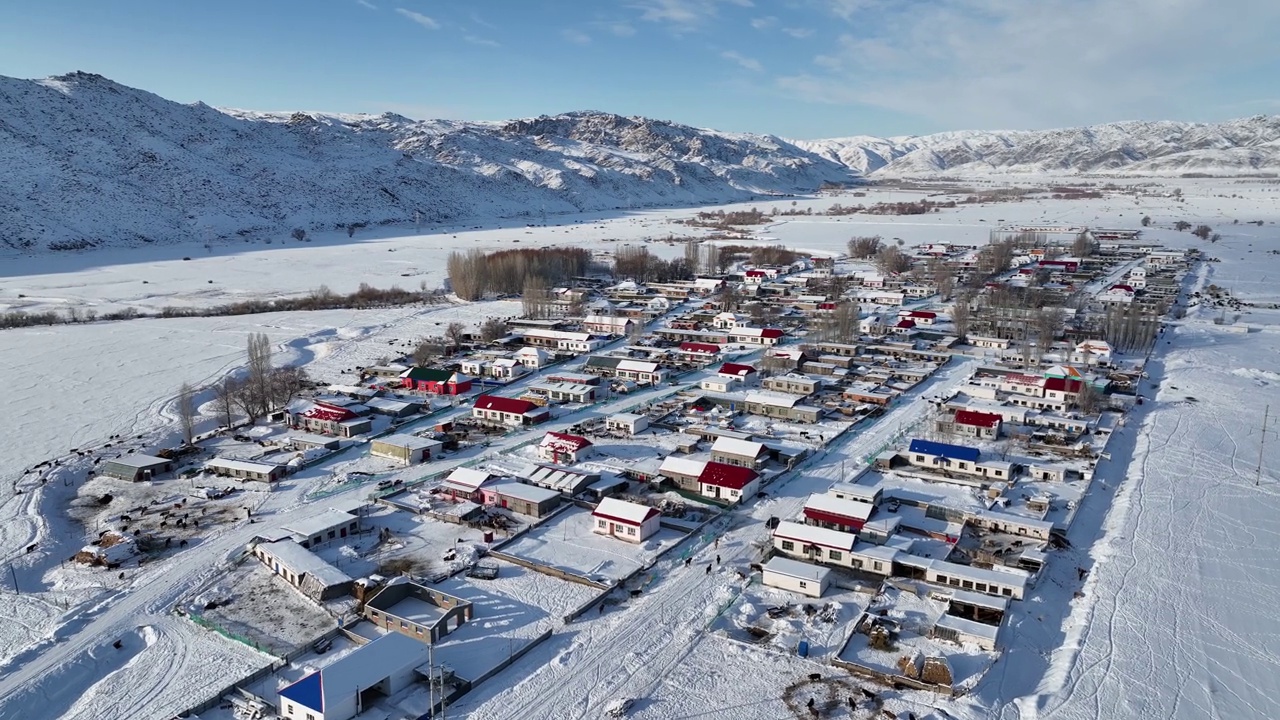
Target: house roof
x,y
814,535
906,324
921,314
735,369
952,452
625,512
1063,385
733,446
330,413
320,522
426,374
522,491
697,347
563,442
795,569
672,465
727,476
505,405
772,333
304,562
241,465
977,419
360,670
842,508
139,461
411,442
468,477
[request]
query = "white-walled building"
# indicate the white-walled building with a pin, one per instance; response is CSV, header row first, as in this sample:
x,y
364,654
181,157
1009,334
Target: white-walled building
x,y
796,576
624,520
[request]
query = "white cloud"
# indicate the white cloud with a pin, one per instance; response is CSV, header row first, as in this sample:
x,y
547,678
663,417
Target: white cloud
x,y
419,18
621,29
764,23
474,40
1002,63
575,36
798,33
367,4
743,61
683,15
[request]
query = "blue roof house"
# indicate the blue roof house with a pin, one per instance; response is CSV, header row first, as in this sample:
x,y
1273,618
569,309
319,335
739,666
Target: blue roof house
x,y
342,689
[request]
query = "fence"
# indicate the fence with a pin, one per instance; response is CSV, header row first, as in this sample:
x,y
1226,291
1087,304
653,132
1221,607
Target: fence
x,y
548,570
210,625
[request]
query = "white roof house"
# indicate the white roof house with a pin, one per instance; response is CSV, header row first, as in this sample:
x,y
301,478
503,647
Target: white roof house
x,y
302,561
466,479
320,523
827,503
333,692
681,466
733,446
628,512
410,442
813,535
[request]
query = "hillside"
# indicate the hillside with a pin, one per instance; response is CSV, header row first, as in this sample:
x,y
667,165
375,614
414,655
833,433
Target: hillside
x,y
88,162
1248,145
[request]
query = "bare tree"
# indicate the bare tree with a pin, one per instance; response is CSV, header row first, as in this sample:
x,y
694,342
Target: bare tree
x,y
891,259
1146,221
1202,231
1048,325
775,365
493,329
730,298
960,316
455,333
1088,399
284,385
427,351
256,394
864,247
187,412
534,298
299,234
1082,247
224,399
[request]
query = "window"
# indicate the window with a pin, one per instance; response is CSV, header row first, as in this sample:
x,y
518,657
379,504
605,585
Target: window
x,y
373,614
1006,591
631,531
311,717
980,587
834,554
967,584
788,545
333,534
942,579
919,458
804,584
879,565
288,709
600,523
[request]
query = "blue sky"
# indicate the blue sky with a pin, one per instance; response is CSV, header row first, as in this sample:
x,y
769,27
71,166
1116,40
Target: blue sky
x,y
796,68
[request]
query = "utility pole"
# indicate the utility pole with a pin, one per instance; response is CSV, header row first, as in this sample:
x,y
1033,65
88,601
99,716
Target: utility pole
x,y
14,574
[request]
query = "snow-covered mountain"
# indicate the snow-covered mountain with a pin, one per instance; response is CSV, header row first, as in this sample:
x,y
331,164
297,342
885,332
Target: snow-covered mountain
x,y
1131,148
89,162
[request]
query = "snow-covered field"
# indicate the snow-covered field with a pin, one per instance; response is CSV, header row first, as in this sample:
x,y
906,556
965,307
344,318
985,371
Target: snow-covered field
x,y
566,542
1175,617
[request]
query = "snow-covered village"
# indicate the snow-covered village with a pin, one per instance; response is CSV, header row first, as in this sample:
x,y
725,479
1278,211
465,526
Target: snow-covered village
x,y
321,416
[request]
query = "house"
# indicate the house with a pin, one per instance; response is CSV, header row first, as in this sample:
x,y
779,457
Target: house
x,y
798,577
881,297
437,382
1063,389
1022,385
509,412
608,325
567,392
393,370
627,424
330,419
728,321
340,690
520,498
792,383
1011,524
135,467
989,343
814,543
532,357
1116,295
925,453
245,469
754,277
1065,266
1005,582
303,569
564,341
464,483
328,525
755,336
744,374
417,611
699,353
728,483
972,423
829,511
642,372
903,328
684,472
506,369
404,448
393,408
782,407
743,453
1093,352
871,325
624,520
564,449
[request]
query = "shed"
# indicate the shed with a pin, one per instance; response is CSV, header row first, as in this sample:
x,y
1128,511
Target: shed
x,y
136,467
246,470
962,630
342,689
796,576
627,423
520,498
405,448
464,483
307,441
303,569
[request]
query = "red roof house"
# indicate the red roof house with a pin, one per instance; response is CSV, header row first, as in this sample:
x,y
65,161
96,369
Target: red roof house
x,y
563,448
977,424
736,370
728,483
1062,388
697,348
495,410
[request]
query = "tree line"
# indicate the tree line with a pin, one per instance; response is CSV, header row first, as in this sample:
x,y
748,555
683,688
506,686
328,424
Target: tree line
x,y
474,273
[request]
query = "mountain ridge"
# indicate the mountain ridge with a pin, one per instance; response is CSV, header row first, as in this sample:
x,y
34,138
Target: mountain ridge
x,y
89,162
